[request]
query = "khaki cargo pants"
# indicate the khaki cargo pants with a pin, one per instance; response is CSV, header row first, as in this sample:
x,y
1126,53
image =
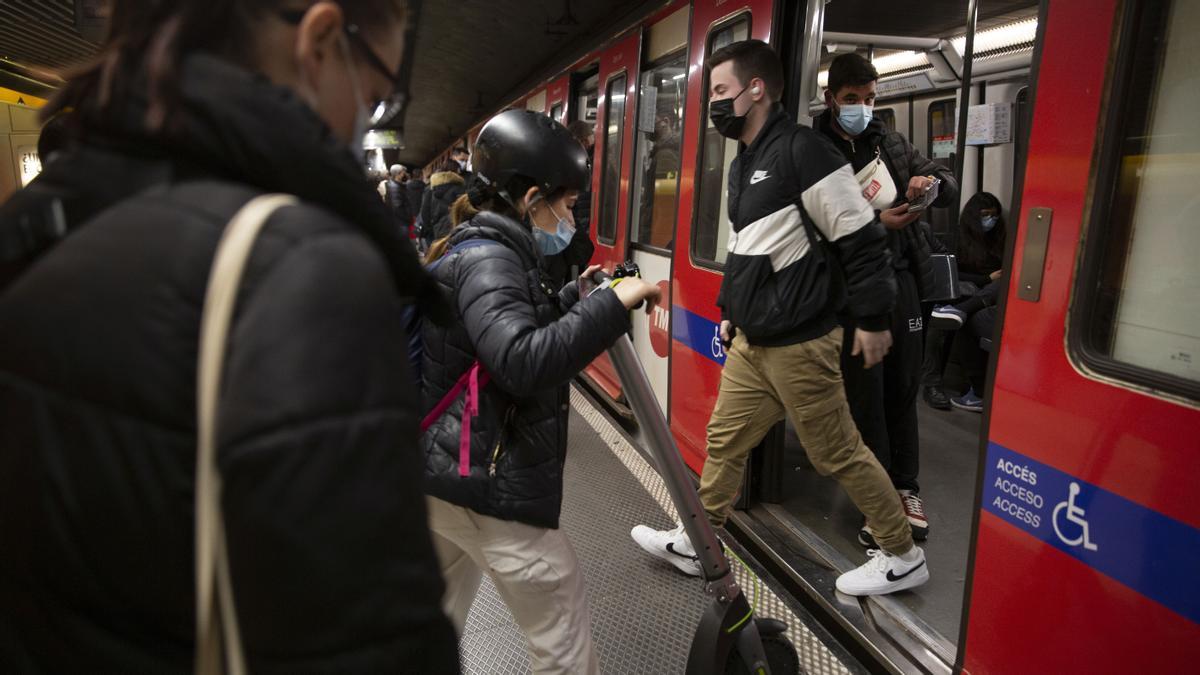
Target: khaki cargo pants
x,y
759,386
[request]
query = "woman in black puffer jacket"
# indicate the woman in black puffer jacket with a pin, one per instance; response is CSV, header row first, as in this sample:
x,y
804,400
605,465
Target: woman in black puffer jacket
x,y
498,510
181,122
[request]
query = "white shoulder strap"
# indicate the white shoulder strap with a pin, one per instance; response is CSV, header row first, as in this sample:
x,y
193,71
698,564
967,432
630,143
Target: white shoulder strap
x,y
211,560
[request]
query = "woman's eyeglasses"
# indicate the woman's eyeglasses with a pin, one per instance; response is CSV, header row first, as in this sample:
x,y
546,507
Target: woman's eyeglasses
x,y
385,110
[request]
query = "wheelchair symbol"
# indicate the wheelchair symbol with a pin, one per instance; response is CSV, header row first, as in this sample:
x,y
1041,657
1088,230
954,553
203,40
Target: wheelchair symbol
x,y
1074,514
718,349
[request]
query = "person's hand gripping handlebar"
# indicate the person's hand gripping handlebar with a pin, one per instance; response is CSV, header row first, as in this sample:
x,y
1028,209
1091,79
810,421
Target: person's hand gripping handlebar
x,y
627,283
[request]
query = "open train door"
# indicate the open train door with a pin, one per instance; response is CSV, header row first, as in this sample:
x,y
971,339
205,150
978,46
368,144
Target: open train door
x,y
556,99
618,76
1087,535
703,226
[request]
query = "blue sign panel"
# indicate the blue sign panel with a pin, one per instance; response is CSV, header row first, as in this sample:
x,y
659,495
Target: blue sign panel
x,y
698,334
1143,549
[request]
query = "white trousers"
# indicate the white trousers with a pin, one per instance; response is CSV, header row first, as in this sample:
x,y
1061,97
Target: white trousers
x,y
536,573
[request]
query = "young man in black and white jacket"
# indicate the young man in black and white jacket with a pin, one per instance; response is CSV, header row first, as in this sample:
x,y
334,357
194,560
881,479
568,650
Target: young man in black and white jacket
x,y
780,301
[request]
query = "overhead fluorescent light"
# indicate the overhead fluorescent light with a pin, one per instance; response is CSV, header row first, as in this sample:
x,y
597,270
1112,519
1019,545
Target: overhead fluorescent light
x,y
1000,37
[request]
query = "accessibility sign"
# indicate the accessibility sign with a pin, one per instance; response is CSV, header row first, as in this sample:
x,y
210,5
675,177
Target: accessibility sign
x,y
1139,547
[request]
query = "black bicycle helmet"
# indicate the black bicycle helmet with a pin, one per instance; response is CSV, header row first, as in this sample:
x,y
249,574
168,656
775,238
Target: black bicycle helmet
x,y
519,149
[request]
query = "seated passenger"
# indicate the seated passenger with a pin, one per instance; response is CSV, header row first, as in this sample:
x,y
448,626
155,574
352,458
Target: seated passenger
x,y
495,493
183,118
982,233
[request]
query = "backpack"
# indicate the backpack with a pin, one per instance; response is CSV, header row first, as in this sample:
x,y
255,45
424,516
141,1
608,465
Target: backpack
x,y
471,381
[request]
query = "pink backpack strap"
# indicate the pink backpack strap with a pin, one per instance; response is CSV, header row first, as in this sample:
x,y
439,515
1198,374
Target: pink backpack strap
x,y
472,381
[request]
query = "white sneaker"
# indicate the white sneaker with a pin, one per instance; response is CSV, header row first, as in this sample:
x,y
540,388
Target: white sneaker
x,y
670,545
884,573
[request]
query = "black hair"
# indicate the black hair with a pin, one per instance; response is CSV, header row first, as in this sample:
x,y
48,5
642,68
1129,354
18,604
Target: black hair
x,y
751,59
977,248
148,41
459,150
850,70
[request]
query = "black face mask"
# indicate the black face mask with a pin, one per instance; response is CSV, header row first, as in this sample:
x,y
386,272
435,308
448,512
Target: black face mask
x,y
721,114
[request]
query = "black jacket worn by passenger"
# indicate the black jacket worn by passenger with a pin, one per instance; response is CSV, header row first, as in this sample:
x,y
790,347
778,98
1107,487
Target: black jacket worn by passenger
x,y
533,339
910,250
444,188
397,201
332,563
779,288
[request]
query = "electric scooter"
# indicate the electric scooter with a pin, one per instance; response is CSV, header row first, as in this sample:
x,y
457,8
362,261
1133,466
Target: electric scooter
x,y
729,639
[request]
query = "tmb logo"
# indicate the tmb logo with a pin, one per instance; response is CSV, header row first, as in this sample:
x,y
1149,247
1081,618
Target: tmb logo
x,y
660,321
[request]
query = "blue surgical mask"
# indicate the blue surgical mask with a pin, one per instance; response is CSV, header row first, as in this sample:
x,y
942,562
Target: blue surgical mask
x,y
554,243
988,222
854,118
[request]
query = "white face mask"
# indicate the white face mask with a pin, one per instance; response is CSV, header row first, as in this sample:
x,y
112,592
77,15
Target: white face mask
x,y
362,115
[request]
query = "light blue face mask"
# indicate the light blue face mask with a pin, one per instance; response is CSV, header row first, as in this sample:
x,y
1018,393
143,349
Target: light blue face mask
x,y
553,244
854,118
988,222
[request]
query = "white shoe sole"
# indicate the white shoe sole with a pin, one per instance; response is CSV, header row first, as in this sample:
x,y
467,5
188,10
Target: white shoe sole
x,y
917,578
945,320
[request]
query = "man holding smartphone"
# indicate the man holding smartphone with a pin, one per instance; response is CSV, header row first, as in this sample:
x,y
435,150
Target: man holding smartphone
x,y
884,400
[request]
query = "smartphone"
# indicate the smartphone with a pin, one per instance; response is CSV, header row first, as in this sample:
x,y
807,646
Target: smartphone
x,y
926,198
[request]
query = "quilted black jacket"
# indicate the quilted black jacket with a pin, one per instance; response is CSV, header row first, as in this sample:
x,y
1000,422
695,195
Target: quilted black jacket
x,y
533,340
333,567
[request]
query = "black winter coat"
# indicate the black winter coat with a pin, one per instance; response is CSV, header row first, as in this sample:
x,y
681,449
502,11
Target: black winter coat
x,y
397,201
444,188
332,563
533,339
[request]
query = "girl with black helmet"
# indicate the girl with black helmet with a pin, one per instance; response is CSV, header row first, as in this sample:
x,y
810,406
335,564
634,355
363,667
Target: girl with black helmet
x,y
495,491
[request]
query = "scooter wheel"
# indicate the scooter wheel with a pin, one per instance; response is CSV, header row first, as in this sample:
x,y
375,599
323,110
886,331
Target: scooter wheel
x,y
781,656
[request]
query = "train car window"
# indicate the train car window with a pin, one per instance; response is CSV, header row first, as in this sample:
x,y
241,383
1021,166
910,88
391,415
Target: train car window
x,y
942,131
588,98
556,112
710,227
887,116
1139,315
656,167
614,135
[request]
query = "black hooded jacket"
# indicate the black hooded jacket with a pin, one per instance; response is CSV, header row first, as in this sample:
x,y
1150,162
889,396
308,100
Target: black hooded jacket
x,y
332,563
533,339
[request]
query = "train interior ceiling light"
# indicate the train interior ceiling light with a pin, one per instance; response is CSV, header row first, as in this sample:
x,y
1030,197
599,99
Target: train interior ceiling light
x,y
1013,38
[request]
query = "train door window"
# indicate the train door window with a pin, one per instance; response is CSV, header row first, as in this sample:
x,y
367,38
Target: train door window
x,y
1020,133
614,136
887,116
942,131
1139,317
587,98
556,112
710,231
662,91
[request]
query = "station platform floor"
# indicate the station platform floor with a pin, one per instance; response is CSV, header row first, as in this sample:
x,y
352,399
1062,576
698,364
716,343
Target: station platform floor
x,y
644,611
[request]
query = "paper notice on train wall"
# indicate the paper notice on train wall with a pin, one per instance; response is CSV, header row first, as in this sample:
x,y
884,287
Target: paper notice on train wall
x,y
647,110
989,124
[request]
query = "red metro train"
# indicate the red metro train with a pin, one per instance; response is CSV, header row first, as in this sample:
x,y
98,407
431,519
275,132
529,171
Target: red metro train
x,y
1082,542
